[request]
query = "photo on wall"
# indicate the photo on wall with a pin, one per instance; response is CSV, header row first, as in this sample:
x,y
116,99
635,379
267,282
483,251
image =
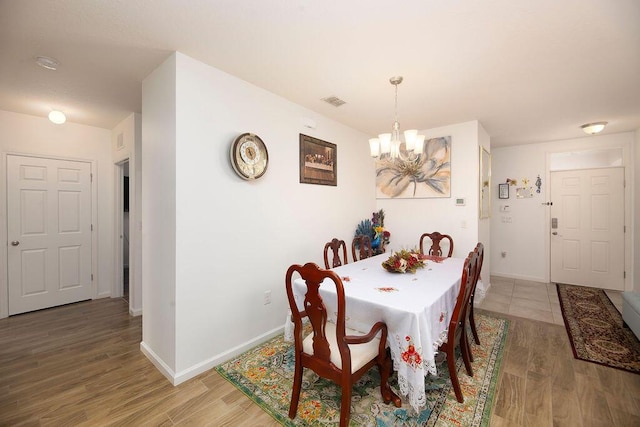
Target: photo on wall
x,y
318,161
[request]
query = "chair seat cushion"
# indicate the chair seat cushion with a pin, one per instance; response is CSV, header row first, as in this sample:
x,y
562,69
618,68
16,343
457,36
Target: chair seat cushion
x,y
361,354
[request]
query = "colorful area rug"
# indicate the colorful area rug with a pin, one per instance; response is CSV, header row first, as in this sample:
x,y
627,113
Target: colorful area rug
x,y
265,374
595,329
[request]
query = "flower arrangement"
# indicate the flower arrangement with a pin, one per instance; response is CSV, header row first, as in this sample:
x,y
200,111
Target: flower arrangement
x,y
404,261
374,228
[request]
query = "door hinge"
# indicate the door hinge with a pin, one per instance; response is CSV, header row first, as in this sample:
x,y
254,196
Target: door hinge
x,y
91,227
624,228
91,176
624,274
92,277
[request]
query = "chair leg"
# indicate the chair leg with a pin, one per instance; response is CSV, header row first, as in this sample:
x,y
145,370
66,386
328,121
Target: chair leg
x,y
467,357
295,393
451,362
472,321
467,340
345,406
385,372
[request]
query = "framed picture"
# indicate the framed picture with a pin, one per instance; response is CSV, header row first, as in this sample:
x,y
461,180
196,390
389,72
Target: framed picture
x,y
416,176
485,183
318,161
503,191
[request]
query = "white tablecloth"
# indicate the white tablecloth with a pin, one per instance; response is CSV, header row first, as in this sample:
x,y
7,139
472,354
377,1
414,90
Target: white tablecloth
x,y
416,308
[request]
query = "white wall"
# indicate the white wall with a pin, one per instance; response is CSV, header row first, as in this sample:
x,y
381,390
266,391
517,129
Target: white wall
x,y
408,219
525,238
636,215
23,134
159,217
484,224
234,239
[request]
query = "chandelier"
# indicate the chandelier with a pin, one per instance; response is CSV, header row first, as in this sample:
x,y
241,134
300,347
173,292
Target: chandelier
x,y
387,145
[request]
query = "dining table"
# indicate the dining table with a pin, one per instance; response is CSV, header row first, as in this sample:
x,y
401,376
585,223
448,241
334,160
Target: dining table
x,y
416,307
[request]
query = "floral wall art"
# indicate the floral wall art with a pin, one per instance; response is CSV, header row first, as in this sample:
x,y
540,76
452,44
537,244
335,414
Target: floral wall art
x,y
424,176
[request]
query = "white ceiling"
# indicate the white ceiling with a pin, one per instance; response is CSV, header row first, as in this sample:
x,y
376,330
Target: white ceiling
x,y
529,71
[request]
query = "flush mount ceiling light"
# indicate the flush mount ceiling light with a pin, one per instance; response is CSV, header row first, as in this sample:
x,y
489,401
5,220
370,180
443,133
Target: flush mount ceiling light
x,y
593,128
47,62
388,144
57,117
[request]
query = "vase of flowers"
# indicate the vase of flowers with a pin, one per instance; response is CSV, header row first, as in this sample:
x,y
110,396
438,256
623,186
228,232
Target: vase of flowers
x,y
404,262
374,228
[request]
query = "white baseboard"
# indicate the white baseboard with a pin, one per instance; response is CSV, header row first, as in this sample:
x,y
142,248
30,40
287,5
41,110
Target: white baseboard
x,y
157,362
135,312
205,365
519,277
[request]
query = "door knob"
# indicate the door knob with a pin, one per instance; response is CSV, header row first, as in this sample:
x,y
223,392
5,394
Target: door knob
x,y
15,243
555,233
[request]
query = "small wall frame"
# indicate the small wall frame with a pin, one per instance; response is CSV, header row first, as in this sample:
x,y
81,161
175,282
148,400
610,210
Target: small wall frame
x,y
503,191
485,183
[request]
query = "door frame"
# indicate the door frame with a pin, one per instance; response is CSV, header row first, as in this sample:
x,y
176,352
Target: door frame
x,y
118,205
628,201
4,254
117,288
135,290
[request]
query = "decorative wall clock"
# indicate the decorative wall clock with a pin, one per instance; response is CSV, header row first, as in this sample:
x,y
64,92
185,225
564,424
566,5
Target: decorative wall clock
x,y
249,156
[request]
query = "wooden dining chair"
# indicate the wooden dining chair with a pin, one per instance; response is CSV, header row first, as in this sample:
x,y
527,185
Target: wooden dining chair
x,y
332,350
479,249
361,247
335,246
457,334
436,239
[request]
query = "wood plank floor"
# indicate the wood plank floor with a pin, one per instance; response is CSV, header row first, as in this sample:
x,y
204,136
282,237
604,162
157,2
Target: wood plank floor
x,y
81,365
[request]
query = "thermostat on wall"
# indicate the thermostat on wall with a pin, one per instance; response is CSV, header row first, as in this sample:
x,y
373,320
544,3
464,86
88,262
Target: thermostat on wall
x,y
460,202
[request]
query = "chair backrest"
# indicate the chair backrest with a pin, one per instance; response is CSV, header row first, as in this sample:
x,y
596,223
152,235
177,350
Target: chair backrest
x,y
316,312
361,247
459,316
436,239
480,250
335,246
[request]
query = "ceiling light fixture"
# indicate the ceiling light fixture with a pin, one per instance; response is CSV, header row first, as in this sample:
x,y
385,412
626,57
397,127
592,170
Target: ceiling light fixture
x,y
47,62
387,145
593,128
57,117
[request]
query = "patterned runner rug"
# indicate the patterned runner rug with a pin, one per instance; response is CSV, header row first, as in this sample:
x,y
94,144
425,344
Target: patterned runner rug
x,y
265,374
595,330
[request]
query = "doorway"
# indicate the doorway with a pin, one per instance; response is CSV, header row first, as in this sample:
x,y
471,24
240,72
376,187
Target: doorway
x,y
587,228
125,233
122,263
49,214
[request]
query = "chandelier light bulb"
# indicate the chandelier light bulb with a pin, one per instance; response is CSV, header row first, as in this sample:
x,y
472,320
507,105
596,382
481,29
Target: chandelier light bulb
x,y
387,145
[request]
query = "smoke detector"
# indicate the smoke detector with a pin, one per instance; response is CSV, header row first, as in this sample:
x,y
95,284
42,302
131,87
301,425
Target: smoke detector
x,y
334,100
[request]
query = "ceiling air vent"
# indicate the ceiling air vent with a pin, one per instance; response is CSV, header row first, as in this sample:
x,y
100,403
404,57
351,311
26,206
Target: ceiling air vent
x,y
334,100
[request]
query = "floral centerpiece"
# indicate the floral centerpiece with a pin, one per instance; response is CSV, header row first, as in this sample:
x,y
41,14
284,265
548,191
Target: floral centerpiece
x,y
404,261
374,228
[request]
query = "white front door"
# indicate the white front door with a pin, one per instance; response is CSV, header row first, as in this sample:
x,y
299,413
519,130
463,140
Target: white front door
x,y
49,231
587,228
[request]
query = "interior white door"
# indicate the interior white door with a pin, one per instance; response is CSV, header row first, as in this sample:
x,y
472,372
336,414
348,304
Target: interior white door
x,y
49,230
587,228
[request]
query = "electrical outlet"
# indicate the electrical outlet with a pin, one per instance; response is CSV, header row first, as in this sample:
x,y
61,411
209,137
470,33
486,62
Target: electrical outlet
x,y
267,297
